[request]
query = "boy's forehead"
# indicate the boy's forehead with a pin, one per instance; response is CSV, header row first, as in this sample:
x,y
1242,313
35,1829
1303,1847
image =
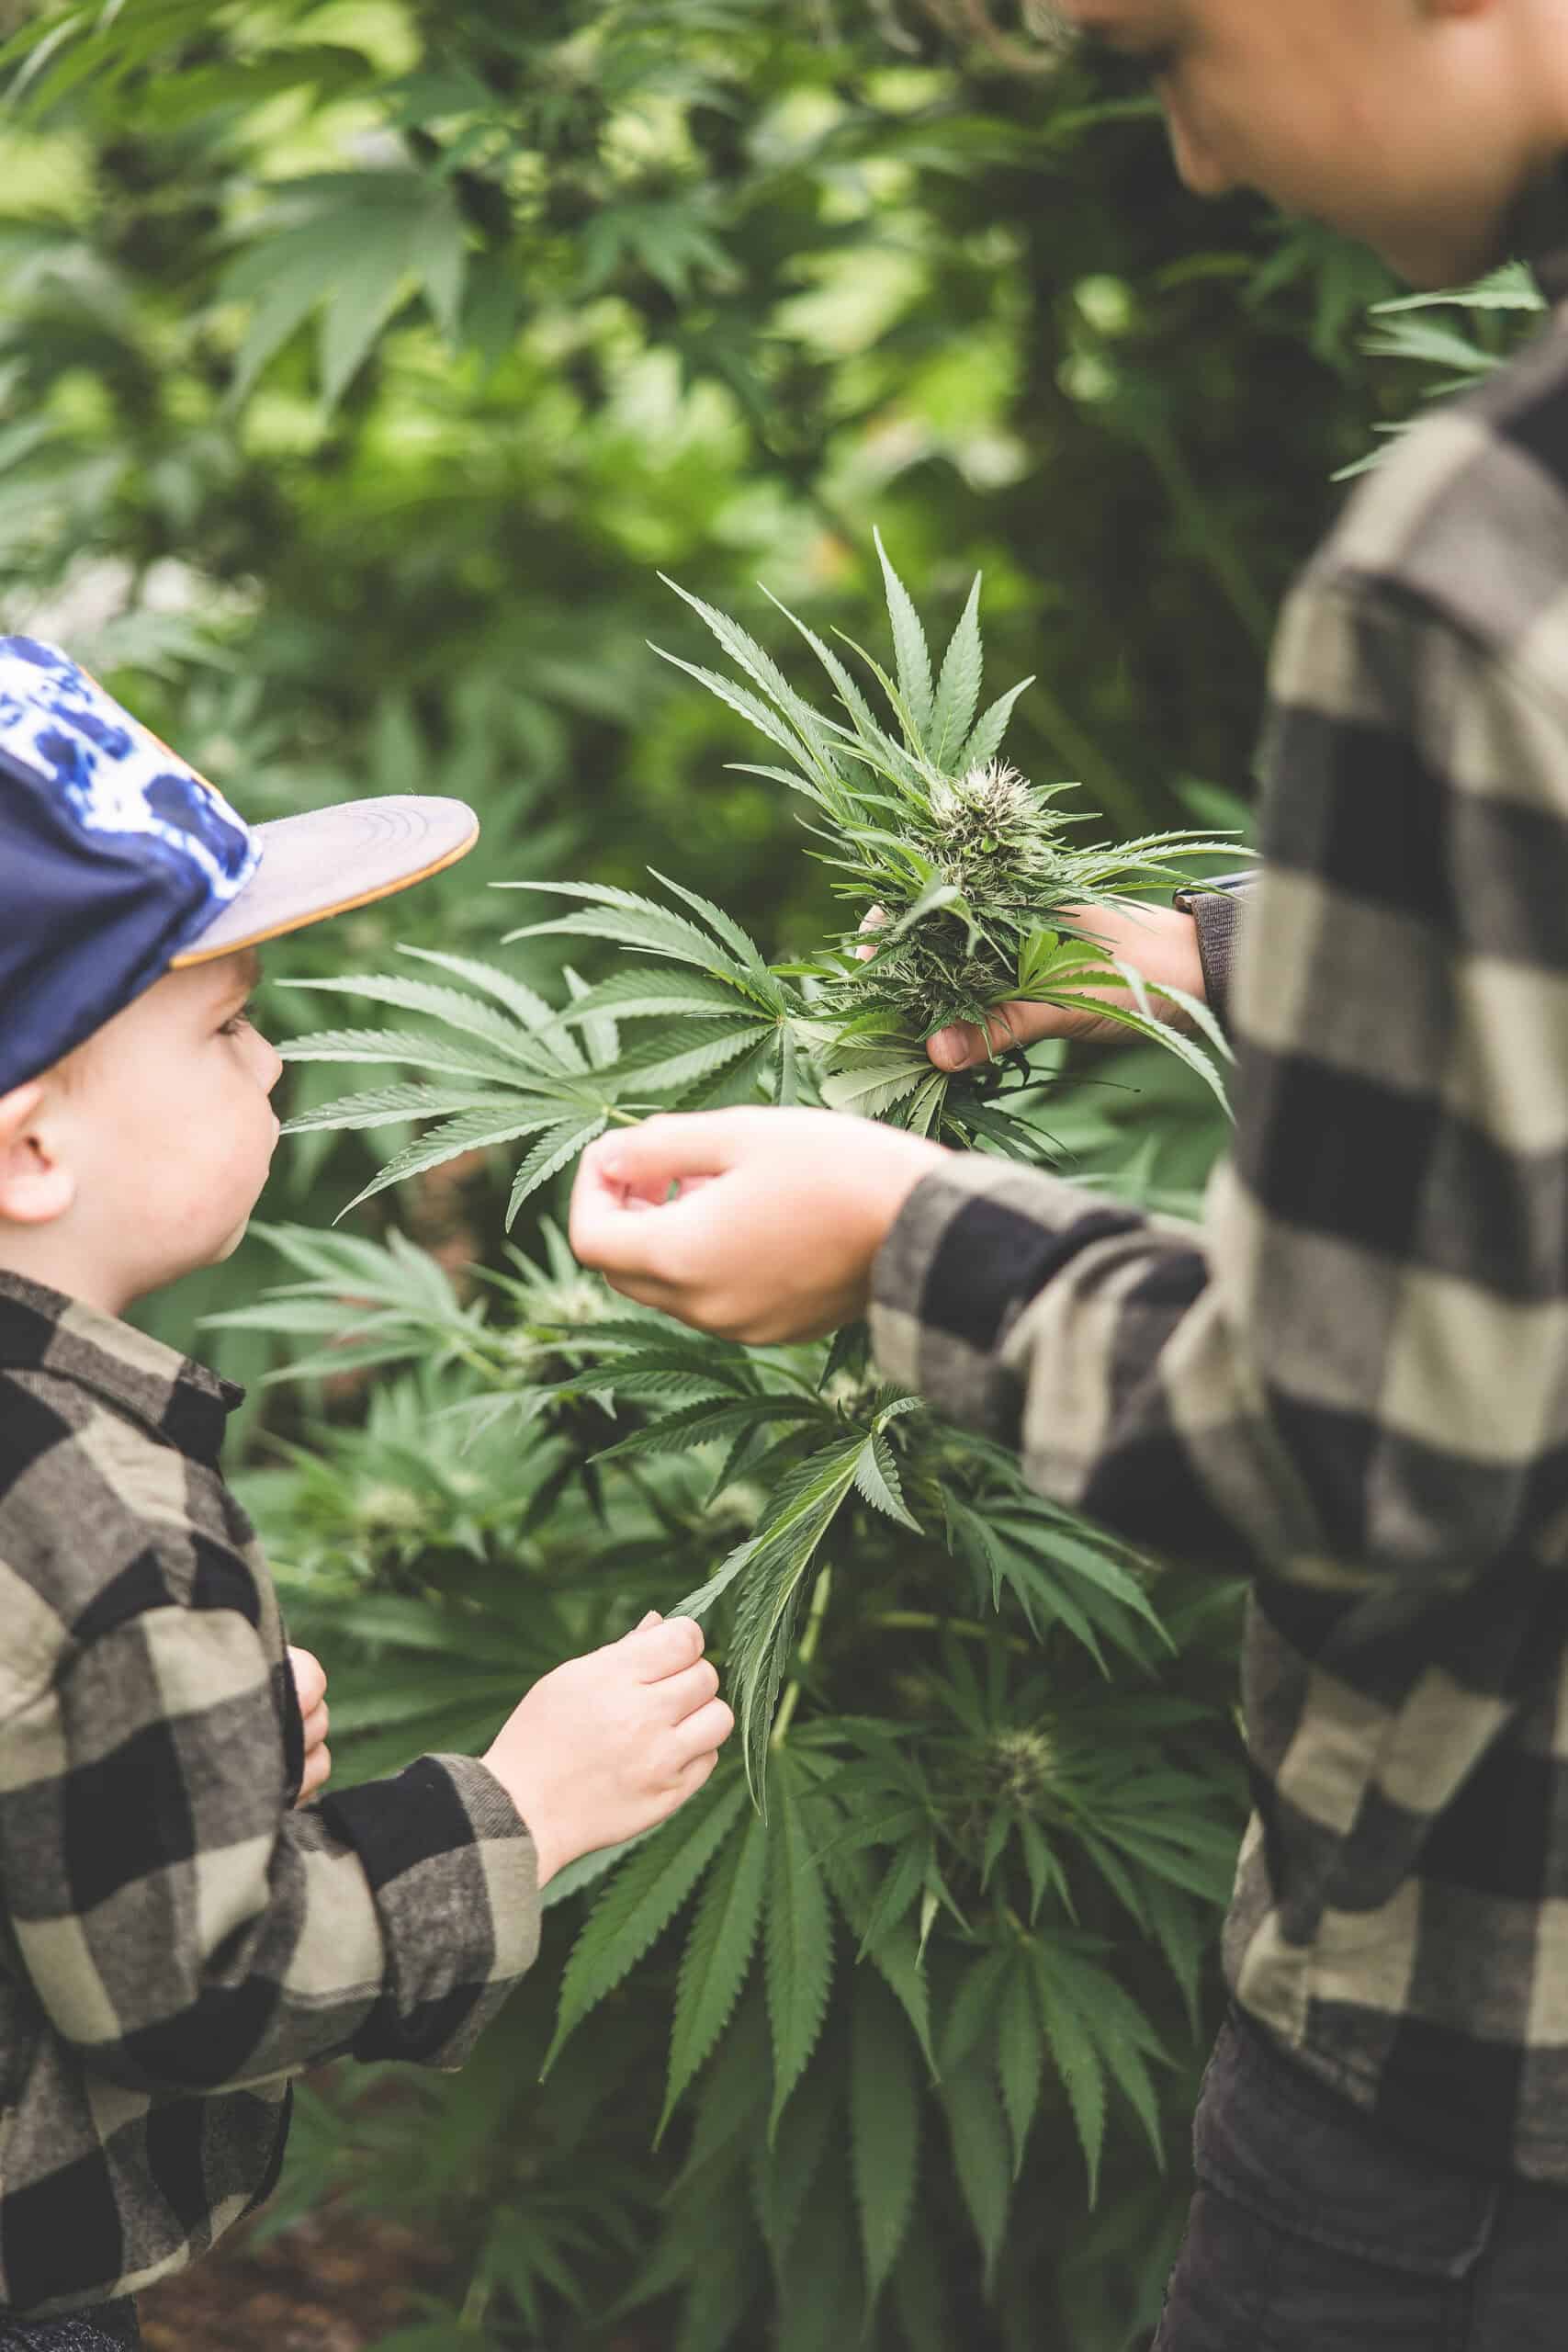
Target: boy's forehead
x,y
234,975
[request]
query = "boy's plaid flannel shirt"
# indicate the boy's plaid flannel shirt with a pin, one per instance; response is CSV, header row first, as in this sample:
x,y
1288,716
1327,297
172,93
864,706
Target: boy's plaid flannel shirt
x,y
174,1940
1352,1383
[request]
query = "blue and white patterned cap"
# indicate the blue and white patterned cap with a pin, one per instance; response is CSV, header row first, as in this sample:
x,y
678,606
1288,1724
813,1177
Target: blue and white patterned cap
x,y
118,862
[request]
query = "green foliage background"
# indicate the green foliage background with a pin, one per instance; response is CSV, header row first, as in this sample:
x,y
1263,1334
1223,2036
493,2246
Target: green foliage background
x,y
361,365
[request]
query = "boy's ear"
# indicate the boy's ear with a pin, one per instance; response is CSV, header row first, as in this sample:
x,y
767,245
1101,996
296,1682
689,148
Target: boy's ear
x,y
36,1185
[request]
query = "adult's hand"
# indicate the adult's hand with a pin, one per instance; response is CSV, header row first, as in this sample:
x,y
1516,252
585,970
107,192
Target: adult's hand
x,y
756,1225
1159,942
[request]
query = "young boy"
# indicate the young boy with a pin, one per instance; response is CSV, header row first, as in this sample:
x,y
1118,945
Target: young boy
x,y
1352,1384
176,1938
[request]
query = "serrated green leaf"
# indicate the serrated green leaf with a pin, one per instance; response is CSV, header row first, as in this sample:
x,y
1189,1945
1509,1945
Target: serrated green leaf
x,y
799,1940
980,2155
783,2168
748,707
549,1156
1020,2057
986,741
820,2298
540,1018
641,1900
799,1514
958,688
764,671
379,1105
910,654
876,1477
884,2128
472,1131
673,1072
870,1091
718,1954
706,1424
633,921
1077,2061
646,994
453,1009
443,1054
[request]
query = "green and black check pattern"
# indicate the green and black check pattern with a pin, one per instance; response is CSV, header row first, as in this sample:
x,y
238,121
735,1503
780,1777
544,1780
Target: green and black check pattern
x,y
1351,1383
175,1941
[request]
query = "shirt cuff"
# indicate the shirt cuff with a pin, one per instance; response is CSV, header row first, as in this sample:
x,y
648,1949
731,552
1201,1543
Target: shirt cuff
x,y
454,1876
973,1244
1217,916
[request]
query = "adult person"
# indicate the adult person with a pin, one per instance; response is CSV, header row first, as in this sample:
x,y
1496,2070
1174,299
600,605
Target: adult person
x,y
1352,1382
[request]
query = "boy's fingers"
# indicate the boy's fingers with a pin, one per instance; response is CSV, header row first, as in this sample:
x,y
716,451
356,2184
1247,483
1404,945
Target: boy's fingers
x,y
704,1733
683,1693
689,1777
310,1678
668,1648
317,1724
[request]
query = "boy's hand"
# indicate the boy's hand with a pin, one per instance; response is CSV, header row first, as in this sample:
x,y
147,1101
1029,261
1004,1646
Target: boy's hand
x,y
310,1681
611,1744
1159,941
777,1218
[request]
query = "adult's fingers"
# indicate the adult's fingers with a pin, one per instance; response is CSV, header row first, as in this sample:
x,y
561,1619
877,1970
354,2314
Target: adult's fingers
x,y
874,920
664,1149
1009,1025
621,1178
705,1732
316,1725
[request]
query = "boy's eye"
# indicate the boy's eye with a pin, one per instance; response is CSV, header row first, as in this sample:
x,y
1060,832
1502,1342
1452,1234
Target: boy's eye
x,y
238,1021
1146,66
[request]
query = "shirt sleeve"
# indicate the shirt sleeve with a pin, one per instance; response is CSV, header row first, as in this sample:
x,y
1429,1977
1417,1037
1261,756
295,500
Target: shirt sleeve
x,y
184,1930
1357,1370
1216,915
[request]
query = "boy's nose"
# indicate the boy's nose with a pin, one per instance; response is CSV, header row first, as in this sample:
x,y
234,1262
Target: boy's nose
x,y
1196,168
274,1066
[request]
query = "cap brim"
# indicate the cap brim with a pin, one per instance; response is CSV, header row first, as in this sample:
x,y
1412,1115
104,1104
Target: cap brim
x,y
331,860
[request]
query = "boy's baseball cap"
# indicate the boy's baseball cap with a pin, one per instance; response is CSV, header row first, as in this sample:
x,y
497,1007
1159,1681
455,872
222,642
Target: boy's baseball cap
x,y
119,863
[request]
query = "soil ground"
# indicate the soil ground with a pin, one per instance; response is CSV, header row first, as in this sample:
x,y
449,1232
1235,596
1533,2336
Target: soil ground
x,y
327,2284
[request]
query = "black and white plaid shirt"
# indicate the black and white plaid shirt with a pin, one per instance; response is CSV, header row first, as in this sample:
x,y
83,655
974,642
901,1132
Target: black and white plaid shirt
x,y
1352,1382
175,1942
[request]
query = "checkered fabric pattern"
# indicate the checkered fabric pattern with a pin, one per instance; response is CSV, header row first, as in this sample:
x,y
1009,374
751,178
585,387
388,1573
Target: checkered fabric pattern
x,y
175,1942
1352,1383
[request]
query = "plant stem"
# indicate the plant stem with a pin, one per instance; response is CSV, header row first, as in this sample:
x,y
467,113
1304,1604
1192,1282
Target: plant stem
x,y
925,1620
808,1642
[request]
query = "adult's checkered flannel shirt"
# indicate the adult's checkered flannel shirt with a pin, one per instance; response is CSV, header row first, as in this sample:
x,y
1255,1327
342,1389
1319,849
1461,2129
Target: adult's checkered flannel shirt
x,y
1352,1383
175,1942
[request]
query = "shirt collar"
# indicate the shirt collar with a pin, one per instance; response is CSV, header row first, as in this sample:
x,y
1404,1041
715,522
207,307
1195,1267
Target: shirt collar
x,y
176,1397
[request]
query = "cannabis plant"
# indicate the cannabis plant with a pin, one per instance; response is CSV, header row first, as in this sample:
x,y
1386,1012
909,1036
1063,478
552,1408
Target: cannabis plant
x,y
973,875
965,1862
1494,317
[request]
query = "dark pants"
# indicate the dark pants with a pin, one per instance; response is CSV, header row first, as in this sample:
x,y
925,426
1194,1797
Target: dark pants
x,y
1311,2231
107,2328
